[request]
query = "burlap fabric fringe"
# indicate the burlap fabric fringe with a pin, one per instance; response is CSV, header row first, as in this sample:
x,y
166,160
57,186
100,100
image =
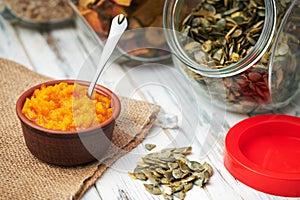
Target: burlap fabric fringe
x,y
22,176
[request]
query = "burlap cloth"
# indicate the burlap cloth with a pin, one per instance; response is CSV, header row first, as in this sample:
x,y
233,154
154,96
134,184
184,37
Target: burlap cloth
x,y
22,176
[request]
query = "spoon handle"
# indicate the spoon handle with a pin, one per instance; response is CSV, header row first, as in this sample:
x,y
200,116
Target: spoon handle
x,y
118,26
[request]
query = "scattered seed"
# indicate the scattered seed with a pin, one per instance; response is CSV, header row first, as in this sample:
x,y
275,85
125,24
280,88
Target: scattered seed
x,y
149,147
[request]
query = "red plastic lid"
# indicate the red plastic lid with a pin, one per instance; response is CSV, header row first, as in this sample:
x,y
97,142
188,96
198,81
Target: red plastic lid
x,y
263,152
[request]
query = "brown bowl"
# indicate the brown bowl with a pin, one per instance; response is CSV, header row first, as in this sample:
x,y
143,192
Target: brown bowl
x,y
68,148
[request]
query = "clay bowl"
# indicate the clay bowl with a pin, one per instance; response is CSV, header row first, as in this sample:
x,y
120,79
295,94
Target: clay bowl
x,y
68,148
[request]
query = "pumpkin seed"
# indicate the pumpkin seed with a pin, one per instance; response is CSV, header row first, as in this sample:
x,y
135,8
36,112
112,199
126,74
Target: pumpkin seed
x,y
149,147
153,189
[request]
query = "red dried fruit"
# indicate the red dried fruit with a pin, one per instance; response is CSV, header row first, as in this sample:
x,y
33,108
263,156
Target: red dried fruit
x,y
254,76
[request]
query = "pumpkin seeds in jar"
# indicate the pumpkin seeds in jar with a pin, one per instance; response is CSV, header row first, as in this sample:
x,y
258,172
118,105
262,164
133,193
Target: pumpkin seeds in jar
x,y
286,63
226,29
224,32
170,173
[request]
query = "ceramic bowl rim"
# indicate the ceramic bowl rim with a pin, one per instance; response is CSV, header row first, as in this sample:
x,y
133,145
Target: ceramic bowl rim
x,y
99,88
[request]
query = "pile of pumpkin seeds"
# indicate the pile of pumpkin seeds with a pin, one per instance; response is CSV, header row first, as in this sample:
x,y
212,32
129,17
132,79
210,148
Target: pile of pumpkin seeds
x,y
170,173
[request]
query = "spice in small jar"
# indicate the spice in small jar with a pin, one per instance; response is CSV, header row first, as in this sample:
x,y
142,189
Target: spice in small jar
x,y
40,11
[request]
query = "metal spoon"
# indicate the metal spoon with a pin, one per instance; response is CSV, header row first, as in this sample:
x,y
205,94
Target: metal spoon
x,y
118,26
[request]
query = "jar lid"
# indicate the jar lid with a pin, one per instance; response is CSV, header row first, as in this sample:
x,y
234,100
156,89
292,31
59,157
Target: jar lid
x,y
263,152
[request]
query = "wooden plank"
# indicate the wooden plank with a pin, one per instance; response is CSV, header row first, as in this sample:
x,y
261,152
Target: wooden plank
x,y
43,58
92,193
10,46
70,49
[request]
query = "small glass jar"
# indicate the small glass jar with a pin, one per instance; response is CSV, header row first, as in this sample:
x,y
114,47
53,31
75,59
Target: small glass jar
x,y
144,39
39,14
266,78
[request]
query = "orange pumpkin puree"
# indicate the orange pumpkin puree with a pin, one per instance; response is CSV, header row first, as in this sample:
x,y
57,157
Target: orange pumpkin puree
x,y
66,107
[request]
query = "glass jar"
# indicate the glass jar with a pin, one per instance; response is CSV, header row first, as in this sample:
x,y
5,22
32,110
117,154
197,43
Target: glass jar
x,y
144,39
37,14
265,78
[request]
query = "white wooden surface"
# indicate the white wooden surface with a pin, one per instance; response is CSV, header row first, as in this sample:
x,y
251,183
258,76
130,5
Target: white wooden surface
x,y
62,53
